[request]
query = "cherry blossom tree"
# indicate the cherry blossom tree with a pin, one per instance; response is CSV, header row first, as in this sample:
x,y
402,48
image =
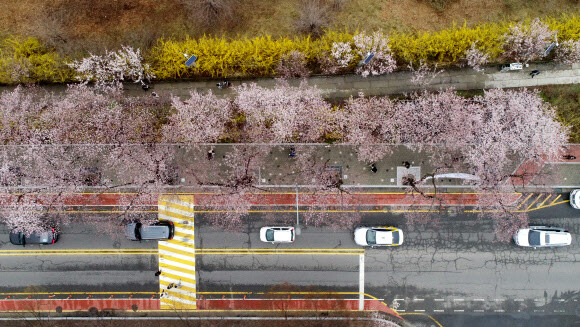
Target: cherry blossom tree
x,y
201,118
293,64
284,114
476,58
568,52
383,61
124,64
368,123
424,74
19,111
527,42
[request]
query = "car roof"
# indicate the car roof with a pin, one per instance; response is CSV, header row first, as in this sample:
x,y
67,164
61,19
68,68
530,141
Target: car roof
x,y
284,235
384,237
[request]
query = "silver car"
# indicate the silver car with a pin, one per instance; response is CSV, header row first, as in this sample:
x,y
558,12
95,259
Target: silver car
x,y
542,236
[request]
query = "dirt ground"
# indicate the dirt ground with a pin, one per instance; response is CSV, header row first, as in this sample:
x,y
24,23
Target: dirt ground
x,y
75,26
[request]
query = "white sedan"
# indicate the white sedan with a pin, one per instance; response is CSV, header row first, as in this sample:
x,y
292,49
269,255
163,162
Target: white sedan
x,y
378,236
575,199
542,236
277,234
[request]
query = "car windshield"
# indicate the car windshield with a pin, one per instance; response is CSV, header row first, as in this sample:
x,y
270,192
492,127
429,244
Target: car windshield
x,y
395,238
270,235
371,237
534,238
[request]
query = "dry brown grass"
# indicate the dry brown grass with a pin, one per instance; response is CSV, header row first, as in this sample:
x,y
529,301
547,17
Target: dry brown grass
x,y
77,25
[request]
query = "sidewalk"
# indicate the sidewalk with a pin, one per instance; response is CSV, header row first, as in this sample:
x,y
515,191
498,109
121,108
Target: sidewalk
x,y
396,83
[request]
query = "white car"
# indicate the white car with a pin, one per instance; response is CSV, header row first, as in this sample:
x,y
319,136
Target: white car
x,y
378,236
575,199
542,236
277,234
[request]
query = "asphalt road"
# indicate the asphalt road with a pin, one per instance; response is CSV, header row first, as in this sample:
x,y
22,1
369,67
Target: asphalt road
x,y
454,267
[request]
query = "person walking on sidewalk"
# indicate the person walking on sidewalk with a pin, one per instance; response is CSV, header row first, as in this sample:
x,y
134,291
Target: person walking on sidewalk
x,y
535,72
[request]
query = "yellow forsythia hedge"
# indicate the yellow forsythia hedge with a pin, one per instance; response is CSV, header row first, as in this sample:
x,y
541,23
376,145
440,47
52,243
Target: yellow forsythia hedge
x,y
26,60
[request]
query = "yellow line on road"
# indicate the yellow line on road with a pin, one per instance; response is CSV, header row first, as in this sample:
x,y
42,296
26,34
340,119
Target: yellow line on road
x,y
556,199
192,253
524,201
546,199
536,200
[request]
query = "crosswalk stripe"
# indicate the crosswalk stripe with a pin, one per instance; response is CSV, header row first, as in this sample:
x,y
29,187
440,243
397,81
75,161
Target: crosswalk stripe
x,y
177,256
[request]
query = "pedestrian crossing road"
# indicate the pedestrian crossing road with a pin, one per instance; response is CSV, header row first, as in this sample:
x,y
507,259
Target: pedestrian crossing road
x,y
177,281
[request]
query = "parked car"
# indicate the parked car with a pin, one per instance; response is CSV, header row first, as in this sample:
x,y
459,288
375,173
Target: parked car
x,y
575,199
48,236
542,236
161,230
277,234
378,236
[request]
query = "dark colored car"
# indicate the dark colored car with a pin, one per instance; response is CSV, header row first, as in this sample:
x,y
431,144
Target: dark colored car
x,y
48,236
161,230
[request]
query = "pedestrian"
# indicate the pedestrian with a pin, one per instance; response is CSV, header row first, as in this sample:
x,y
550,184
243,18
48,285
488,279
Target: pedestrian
x,y
210,154
292,152
170,286
158,272
163,294
373,168
178,284
219,85
154,94
144,86
535,72
569,157
407,164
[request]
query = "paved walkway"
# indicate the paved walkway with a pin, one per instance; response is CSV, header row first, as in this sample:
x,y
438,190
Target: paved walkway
x,y
395,83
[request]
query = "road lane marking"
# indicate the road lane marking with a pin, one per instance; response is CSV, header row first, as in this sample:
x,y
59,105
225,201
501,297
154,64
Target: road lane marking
x,y
361,282
536,200
177,264
167,252
556,199
524,201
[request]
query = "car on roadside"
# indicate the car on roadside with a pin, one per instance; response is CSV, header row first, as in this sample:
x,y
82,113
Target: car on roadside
x,y
277,234
47,236
542,236
378,236
160,230
575,199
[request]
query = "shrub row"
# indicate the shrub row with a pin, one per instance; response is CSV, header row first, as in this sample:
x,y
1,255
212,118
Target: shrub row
x,y
28,61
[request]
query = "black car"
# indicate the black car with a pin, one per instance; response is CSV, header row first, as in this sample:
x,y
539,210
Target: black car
x,y
48,236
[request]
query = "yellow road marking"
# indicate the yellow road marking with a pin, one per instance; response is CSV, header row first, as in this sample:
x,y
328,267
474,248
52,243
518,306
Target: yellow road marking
x,y
536,200
524,201
556,199
546,199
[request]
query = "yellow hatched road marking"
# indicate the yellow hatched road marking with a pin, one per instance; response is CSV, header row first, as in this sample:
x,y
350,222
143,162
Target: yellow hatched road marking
x,y
183,235
536,200
546,199
556,199
524,201
175,206
177,269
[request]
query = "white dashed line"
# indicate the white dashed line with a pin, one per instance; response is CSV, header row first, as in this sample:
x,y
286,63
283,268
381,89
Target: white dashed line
x,y
418,299
478,310
419,310
500,310
438,310
399,300
458,310
479,300
439,300
519,300
459,300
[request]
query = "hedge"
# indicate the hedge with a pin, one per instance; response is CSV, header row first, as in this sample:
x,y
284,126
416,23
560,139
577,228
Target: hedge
x,y
248,57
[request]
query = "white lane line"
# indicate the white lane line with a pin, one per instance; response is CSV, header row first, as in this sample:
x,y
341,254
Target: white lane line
x,y
418,299
479,300
500,310
419,310
478,310
361,282
399,300
519,300
438,310
459,300
458,310
439,300
401,310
